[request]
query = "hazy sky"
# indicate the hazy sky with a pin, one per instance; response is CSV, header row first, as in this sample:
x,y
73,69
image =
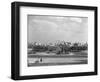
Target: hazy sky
x,y
47,29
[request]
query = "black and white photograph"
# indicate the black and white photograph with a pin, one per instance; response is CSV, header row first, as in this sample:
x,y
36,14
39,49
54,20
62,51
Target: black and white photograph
x,y
57,40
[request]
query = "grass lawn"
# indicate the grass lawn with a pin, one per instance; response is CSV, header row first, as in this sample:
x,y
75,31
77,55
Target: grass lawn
x,y
44,59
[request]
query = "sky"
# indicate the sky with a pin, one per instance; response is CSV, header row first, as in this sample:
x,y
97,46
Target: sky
x,y
49,29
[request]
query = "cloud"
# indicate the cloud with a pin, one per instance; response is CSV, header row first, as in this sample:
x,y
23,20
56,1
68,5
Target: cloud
x,y
52,28
44,25
78,20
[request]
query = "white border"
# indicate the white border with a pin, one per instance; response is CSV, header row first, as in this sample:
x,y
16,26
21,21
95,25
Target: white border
x,y
24,70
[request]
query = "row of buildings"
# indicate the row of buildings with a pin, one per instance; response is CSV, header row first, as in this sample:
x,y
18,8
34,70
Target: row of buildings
x,y
58,47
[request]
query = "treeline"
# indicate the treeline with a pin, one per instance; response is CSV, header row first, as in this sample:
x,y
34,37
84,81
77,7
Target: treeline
x,y
58,48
